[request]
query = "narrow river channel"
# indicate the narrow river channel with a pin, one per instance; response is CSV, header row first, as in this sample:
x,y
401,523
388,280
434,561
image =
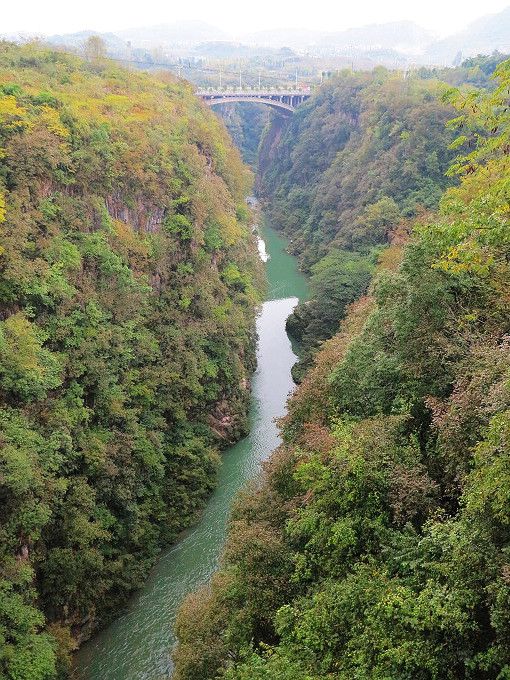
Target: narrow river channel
x,y
137,646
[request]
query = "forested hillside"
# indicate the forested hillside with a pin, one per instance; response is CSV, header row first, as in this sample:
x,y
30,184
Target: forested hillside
x,y
361,139
366,151
245,123
377,544
127,303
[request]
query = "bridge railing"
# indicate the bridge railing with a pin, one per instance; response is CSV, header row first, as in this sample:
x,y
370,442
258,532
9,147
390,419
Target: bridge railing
x,y
230,91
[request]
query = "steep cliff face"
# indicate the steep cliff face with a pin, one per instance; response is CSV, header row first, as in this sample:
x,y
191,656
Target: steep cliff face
x,y
126,334
361,139
245,122
268,151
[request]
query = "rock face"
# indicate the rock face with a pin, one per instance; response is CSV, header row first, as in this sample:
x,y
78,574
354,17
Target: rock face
x,y
226,422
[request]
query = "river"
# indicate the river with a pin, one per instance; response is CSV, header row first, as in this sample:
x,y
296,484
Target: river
x,y
137,645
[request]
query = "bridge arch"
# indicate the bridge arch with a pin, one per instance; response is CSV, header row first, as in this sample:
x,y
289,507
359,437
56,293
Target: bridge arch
x,y
283,100
273,103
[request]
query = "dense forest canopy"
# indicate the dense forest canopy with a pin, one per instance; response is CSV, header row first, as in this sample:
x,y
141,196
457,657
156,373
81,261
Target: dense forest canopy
x,y
128,287
368,150
376,546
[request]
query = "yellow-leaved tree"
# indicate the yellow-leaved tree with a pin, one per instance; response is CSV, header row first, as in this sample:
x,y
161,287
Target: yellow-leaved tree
x,y
476,228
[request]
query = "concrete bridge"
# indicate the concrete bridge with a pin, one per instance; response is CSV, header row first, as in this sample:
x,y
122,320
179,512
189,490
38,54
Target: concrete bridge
x,y
284,100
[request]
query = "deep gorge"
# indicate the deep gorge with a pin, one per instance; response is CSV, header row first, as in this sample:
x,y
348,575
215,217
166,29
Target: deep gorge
x,y
374,544
139,644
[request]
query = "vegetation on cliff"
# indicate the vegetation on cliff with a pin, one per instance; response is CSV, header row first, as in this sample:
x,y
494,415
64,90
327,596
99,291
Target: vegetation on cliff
x,y
367,150
376,546
126,336
245,123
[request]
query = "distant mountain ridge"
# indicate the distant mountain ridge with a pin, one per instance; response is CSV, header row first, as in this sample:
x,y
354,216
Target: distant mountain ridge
x,y
483,36
178,32
398,35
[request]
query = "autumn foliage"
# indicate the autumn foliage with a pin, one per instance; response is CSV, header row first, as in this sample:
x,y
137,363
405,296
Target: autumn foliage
x,y
382,522
126,331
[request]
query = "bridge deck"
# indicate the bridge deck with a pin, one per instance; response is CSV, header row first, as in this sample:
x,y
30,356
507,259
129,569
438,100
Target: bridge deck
x,y
280,99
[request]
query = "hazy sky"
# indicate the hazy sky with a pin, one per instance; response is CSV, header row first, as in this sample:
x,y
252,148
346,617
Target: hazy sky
x,y
47,17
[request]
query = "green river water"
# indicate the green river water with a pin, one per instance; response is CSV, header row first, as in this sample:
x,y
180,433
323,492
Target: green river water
x,y
137,646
